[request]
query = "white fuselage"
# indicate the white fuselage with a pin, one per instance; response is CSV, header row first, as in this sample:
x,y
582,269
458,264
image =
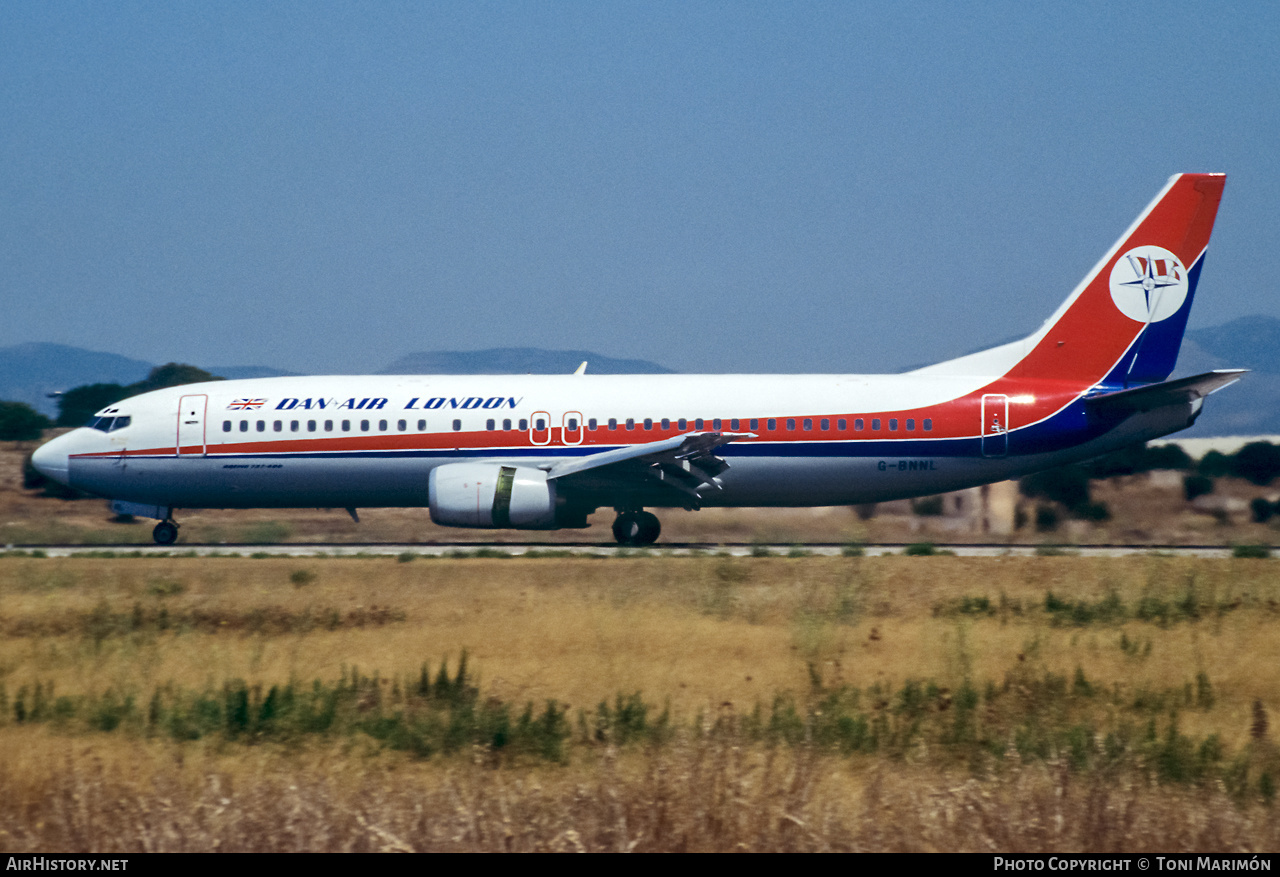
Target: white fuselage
x,y
346,441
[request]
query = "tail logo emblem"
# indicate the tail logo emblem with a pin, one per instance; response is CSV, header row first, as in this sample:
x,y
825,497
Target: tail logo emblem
x,y
1148,284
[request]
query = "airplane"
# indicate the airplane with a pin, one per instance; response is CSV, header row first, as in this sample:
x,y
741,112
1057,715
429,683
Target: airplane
x,y
543,452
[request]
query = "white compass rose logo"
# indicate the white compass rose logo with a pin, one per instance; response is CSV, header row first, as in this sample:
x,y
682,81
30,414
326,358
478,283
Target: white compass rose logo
x,y
1148,284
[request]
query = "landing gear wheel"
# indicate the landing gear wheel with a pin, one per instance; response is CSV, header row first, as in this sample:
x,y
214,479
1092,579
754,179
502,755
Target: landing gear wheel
x,y
165,533
636,528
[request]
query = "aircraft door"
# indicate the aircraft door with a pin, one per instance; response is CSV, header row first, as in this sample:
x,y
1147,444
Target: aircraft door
x,y
540,428
191,418
571,428
995,425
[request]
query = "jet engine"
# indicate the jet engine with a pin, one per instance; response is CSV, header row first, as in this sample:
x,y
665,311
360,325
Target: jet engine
x,y
488,495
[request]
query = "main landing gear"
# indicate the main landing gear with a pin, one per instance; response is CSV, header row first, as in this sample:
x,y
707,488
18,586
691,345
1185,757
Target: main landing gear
x,y
636,528
165,533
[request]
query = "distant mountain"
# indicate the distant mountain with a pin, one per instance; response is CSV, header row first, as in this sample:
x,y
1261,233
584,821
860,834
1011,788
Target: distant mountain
x,y
29,372
1249,342
518,361
1252,405
237,372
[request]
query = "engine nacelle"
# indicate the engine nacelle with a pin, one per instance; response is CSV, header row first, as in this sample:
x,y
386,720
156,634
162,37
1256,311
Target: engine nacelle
x,y
487,495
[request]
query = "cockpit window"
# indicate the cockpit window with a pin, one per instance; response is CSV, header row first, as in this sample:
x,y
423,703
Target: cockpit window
x,y
108,424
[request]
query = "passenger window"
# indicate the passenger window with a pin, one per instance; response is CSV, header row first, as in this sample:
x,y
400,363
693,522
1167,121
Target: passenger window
x,y
402,425
773,423
457,426
842,424
808,424
697,424
328,426
506,424
613,423
382,426
573,424
648,423
735,424
591,424
791,424
875,423
244,426
858,423
666,423
278,426
364,426
490,424
755,423
893,424
826,424
911,424
226,426
262,426
537,424
928,424
293,426
682,423
422,426
524,424
346,426
715,424
631,424
311,426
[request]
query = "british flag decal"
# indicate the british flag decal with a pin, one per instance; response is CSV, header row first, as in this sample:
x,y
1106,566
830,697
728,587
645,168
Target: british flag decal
x,y
246,404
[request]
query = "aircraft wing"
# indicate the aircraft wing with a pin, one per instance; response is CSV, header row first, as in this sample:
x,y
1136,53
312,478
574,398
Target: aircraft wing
x,y
684,463
1166,393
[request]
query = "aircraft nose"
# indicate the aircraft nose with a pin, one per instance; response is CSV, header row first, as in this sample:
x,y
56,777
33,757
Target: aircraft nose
x,y
50,460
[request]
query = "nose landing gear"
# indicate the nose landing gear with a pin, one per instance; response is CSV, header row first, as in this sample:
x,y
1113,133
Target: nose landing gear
x,y
165,533
636,528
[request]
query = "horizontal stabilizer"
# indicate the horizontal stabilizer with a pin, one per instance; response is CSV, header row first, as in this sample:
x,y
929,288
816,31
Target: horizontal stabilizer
x,y
1159,395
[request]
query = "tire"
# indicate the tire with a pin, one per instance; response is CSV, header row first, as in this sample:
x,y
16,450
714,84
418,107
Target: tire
x,y
626,527
650,527
165,533
636,528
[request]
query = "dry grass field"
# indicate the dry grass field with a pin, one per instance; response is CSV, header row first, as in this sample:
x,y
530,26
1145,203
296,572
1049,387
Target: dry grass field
x,y
647,703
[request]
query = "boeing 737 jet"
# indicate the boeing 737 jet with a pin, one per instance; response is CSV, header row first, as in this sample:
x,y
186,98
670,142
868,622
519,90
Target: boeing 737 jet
x,y
544,452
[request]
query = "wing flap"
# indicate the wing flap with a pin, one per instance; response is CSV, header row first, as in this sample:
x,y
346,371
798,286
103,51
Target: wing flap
x,y
684,463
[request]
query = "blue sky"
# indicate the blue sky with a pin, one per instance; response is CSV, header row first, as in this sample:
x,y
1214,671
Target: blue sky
x,y
720,187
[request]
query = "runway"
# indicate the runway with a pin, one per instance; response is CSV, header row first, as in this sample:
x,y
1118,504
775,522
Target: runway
x,y
602,549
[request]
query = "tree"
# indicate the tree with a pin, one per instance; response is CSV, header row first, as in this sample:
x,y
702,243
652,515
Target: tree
x,y
19,422
172,374
1258,462
76,406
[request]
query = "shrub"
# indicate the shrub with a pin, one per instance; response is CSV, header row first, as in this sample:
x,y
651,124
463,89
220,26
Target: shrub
x,y
1261,510
1196,485
1139,458
930,506
1091,511
19,422
1214,464
1257,462
1046,518
1068,485
1252,551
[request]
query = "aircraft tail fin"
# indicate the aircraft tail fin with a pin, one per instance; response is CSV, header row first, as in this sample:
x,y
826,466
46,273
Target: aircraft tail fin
x,y
1123,325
